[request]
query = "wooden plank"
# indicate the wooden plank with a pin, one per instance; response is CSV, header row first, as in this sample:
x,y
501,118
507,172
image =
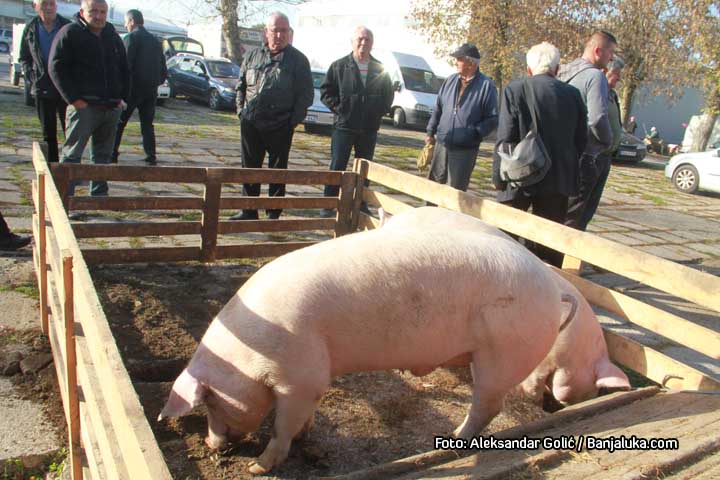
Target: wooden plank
x,y
385,201
436,457
139,449
259,250
135,203
210,216
671,326
129,173
93,466
99,256
572,265
360,167
270,175
255,203
699,287
41,246
367,222
71,385
282,225
135,229
656,366
343,226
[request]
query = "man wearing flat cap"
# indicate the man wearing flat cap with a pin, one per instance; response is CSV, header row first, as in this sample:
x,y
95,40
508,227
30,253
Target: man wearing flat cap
x,y
466,112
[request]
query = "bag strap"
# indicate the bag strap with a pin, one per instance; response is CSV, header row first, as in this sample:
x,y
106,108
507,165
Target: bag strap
x,y
530,97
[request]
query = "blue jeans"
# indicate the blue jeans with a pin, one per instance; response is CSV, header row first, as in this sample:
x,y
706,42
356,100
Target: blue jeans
x,y
343,141
97,125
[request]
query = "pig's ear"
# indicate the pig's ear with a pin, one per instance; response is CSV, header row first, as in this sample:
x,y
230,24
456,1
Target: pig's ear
x,y
187,393
610,376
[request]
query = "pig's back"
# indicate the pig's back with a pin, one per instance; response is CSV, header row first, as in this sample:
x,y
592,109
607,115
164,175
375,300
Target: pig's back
x,y
383,299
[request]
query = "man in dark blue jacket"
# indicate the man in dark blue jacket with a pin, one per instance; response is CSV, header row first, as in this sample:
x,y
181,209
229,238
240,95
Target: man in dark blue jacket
x,y
147,70
89,68
465,113
359,91
35,46
562,127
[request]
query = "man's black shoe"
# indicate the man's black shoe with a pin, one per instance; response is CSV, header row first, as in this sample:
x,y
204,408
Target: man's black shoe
x,y
150,160
245,215
273,214
76,216
13,242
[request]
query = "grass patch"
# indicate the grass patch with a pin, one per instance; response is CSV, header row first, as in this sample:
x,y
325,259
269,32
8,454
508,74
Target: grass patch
x,y
28,289
660,201
135,242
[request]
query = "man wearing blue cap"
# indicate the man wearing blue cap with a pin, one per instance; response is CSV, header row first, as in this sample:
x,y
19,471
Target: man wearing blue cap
x,y
466,112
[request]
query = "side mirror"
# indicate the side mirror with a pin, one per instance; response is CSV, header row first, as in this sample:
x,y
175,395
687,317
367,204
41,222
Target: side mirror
x,y
396,86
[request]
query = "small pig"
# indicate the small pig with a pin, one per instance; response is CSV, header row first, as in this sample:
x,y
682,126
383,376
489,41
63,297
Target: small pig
x,y
374,300
578,364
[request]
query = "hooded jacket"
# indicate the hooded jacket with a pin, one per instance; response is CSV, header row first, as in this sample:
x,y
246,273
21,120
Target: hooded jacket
x,y
594,90
358,106
87,66
34,67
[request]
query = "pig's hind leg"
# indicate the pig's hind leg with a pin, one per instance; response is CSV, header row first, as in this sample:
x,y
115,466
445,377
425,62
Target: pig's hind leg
x,y
487,399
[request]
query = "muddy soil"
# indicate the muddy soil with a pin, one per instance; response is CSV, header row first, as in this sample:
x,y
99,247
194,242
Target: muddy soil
x,y
158,314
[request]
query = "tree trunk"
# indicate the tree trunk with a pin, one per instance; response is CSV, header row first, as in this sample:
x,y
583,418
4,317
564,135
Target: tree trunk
x,y
626,103
707,122
230,30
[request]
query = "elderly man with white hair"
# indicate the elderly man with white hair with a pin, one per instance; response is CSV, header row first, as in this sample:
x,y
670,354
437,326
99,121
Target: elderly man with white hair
x,y
561,125
359,91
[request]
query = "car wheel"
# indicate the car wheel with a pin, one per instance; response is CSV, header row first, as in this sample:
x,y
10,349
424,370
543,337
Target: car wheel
x,y
27,95
686,179
214,100
399,118
4,47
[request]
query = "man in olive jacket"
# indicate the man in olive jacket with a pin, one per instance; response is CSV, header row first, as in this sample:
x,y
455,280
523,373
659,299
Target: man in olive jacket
x,y
147,70
35,46
89,68
359,91
273,93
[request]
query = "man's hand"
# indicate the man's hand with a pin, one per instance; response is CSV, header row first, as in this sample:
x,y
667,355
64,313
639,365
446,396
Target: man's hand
x,y
122,105
430,140
79,104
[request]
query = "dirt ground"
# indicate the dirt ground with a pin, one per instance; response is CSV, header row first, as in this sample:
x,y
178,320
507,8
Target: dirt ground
x,y
158,314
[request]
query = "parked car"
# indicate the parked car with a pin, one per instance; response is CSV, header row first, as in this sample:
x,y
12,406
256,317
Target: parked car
x,y
319,118
6,40
695,171
209,80
631,149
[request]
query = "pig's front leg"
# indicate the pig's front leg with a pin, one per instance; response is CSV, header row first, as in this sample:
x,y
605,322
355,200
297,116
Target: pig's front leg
x,y
292,413
217,431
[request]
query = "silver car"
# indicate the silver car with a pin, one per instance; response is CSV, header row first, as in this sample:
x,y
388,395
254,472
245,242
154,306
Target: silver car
x,y
319,118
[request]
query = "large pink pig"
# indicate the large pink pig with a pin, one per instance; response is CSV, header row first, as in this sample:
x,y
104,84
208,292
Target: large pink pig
x,y
375,300
578,364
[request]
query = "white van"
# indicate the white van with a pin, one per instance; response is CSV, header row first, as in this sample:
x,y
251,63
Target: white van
x,y
416,87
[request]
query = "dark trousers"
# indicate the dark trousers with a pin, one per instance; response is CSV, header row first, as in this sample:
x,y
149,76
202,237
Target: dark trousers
x,y
255,144
552,207
343,141
593,176
4,229
49,110
146,111
453,166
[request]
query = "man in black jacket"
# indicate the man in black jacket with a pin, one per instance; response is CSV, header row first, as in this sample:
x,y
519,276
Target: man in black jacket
x,y
89,67
359,91
147,70
35,46
273,93
562,127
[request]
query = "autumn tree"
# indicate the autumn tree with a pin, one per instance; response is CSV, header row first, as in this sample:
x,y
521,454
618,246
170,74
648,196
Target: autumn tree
x,y
701,33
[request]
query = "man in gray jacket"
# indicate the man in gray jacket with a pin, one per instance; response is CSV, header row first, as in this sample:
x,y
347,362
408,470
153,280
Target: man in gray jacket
x,y
273,94
585,74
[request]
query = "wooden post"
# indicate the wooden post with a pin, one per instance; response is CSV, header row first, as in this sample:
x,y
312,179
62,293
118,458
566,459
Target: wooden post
x,y
211,214
71,367
42,254
360,167
343,224
572,265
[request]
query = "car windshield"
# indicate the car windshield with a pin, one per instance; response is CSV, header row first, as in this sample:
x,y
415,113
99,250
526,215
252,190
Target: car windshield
x,y
223,69
420,80
318,79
